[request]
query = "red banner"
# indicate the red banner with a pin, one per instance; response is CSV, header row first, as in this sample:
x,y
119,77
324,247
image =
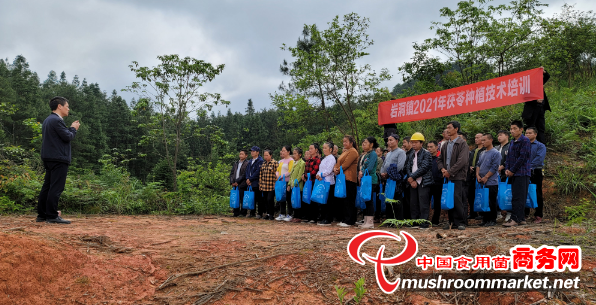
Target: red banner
x,y
497,92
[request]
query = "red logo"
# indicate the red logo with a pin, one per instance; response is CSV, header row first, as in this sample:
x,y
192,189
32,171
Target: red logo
x,y
410,250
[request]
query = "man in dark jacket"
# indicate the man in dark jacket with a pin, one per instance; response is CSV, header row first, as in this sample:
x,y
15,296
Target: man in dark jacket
x,y
407,147
436,189
474,157
420,178
533,113
238,179
453,162
503,148
252,179
56,157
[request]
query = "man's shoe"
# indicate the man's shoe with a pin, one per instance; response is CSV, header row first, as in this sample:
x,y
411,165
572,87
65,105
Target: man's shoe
x,y
490,224
313,221
258,217
40,219
538,219
461,227
324,222
58,220
510,223
280,217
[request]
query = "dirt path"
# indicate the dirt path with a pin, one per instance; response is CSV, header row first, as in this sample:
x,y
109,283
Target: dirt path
x,y
139,260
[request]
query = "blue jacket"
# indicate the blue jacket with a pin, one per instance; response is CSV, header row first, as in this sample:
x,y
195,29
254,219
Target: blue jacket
x,y
55,139
252,172
537,155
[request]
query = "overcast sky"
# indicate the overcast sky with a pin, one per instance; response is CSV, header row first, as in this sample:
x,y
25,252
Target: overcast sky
x,y
98,39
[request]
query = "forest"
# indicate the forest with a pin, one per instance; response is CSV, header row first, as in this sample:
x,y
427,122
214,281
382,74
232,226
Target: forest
x,y
167,152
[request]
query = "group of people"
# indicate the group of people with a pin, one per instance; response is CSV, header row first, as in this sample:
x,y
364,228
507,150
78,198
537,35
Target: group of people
x,y
419,174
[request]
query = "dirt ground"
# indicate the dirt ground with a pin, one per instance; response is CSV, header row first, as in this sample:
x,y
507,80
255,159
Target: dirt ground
x,y
183,260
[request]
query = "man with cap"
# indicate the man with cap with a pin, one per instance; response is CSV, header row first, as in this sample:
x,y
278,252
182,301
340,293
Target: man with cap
x,y
252,179
420,178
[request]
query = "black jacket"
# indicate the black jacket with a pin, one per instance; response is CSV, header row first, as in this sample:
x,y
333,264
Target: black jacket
x,y
424,167
437,174
242,179
530,106
55,139
504,153
252,172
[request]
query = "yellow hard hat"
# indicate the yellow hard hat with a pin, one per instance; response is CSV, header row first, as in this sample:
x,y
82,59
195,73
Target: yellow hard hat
x,y
417,137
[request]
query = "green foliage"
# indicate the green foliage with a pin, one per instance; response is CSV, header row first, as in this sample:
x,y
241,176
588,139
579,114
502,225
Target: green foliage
x,y
359,290
341,294
406,222
7,205
578,214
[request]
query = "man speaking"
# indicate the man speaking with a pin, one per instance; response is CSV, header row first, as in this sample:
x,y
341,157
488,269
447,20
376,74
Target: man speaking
x,y
55,154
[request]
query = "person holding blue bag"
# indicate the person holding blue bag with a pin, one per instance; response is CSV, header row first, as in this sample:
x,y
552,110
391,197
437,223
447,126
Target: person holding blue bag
x,y
267,180
326,173
392,166
310,213
420,178
348,160
436,189
453,163
296,174
518,170
238,179
284,166
252,179
366,165
538,153
487,174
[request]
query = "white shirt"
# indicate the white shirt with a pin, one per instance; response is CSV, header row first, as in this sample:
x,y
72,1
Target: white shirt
x,y
326,170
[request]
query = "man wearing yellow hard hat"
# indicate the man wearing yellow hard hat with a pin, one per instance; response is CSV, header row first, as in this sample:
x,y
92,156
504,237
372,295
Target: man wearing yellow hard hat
x,y
419,171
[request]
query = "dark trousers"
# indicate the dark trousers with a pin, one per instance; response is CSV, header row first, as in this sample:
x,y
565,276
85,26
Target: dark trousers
x,y
536,178
269,202
537,120
260,207
458,215
337,207
240,210
53,186
420,202
327,210
470,196
406,201
436,190
349,203
519,192
286,206
370,209
493,190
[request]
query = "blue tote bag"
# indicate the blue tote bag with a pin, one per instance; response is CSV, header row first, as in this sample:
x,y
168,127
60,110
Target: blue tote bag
x,y
481,203
340,184
390,189
248,201
382,199
296,200
280,189
360,204
366,186
505,196
447,199
234,198
532,200
307,190
320,192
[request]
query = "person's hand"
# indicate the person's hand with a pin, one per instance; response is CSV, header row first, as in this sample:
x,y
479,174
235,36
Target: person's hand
x,y
501,167
360,174
414,184
471,168
336,171
484,180
75,124
289,188
540,101
478,179
234,184
384,176
508,173
446,174
410,179
303,178
248,181
319,177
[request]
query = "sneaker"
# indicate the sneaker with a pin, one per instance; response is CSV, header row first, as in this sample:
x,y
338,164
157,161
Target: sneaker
x,y
271,217
490,224
265,217
538,219
324,223
280,217
344,225
288,218
40,219
508,217
58,220
499,216
313,221
461,227
510,223
258,217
